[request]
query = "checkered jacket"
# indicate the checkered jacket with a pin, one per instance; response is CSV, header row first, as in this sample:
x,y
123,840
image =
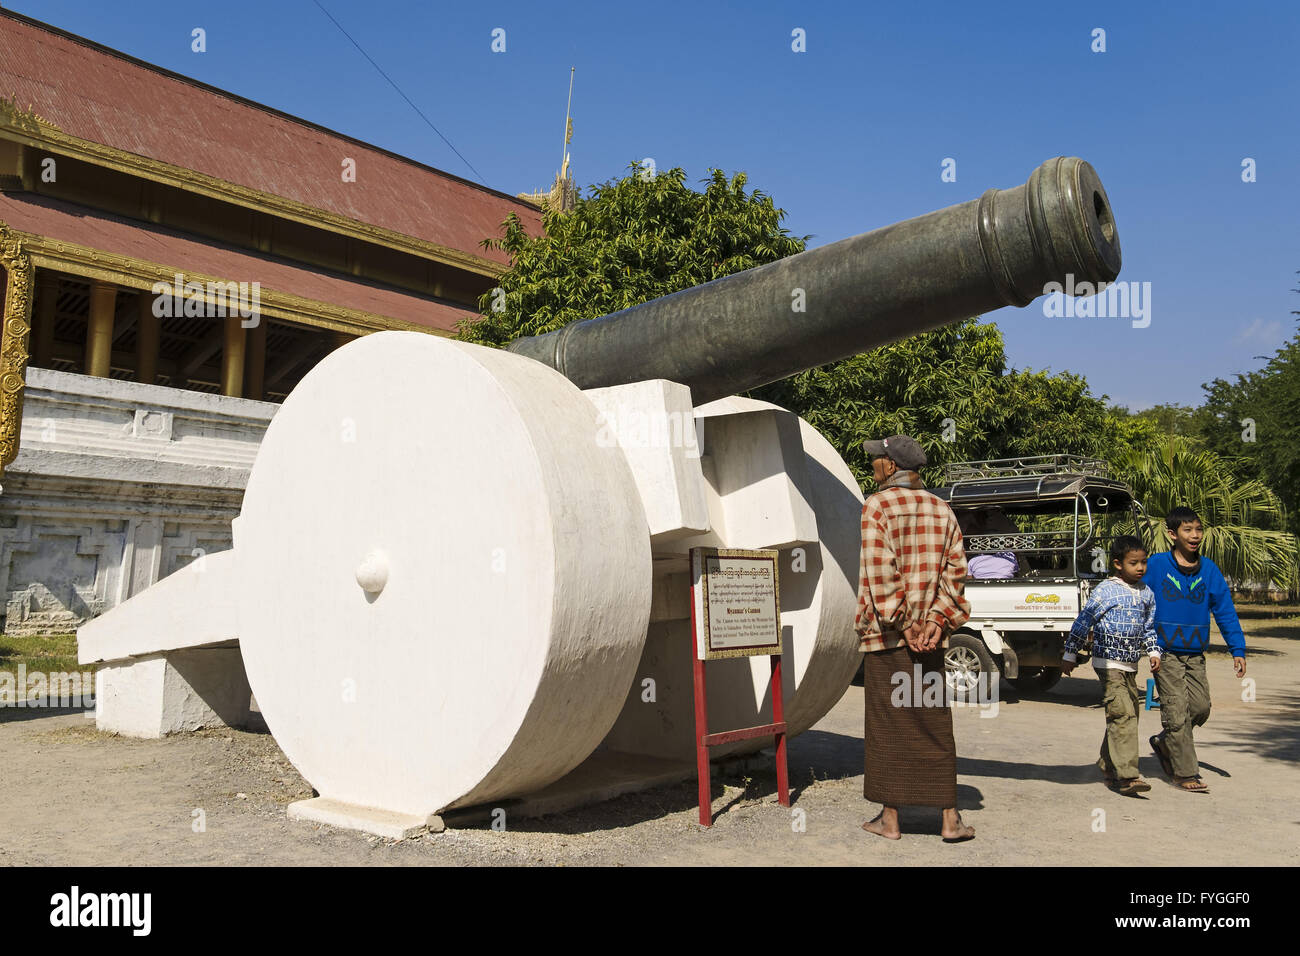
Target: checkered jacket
x,y
913,565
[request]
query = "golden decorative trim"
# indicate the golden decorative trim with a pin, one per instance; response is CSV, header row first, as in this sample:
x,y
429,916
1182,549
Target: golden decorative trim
x,y
74,259
31,130
27,120
17,321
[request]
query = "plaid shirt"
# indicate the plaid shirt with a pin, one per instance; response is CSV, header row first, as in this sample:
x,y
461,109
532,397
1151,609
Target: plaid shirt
x,y
913,564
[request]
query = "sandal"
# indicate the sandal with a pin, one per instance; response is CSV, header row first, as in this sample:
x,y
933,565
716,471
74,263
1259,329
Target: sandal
x,y
1166,764
1191,784
1131,786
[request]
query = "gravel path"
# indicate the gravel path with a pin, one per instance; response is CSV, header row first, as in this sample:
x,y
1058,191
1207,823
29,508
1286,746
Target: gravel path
x,y
74,796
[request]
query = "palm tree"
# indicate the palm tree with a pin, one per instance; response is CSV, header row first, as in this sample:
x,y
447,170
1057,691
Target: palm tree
x,y
1240,516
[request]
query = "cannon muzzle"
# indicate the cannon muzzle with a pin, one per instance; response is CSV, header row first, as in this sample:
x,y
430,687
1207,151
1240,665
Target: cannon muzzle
x,y
745,330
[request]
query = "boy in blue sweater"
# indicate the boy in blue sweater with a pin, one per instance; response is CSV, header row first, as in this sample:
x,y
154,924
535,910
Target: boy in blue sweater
x,y
1120,613
1188,588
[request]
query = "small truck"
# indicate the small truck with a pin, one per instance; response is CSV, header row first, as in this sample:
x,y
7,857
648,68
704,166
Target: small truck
x,y
1037,532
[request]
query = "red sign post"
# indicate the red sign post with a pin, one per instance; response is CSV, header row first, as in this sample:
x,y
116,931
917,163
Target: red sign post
x,y
735,612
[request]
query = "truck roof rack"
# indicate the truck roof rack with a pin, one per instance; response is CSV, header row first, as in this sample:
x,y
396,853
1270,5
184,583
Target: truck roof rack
x,y
1026,466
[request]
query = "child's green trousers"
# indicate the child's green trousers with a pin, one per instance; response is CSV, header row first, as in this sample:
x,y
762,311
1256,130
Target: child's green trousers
x,y
1119,746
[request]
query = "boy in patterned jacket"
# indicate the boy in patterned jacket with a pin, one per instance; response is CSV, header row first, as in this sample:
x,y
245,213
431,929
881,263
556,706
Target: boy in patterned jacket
x,y
1120,613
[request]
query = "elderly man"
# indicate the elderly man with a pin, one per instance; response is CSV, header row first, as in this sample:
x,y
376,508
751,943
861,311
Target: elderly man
x,y
910,597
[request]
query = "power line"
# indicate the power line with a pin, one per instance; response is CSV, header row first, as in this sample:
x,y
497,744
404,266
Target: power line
x,y
420,112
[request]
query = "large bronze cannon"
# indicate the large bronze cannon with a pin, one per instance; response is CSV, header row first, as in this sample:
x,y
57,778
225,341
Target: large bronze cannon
x,y
742,331
458,573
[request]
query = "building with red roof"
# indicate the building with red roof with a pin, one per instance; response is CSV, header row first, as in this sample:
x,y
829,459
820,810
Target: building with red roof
x,y
176,258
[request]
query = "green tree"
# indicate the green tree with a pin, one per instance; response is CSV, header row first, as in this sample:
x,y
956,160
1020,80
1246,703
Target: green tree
x,y
631,240
1169,419
1243,518
951,390
1256,419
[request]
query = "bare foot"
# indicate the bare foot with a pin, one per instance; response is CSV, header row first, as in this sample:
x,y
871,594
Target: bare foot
x,y
880,827
953,830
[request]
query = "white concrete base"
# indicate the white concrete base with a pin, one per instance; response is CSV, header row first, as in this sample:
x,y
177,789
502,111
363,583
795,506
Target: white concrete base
x,y
116,486
384,823
171,693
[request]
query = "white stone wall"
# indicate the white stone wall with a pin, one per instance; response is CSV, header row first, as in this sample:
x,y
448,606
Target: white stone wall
x,y
116,485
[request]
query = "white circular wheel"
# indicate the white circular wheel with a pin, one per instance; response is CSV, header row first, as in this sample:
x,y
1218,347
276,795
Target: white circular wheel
x,y
445,579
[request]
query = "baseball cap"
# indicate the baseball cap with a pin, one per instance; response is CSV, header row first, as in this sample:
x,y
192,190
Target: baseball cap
x,y
905,451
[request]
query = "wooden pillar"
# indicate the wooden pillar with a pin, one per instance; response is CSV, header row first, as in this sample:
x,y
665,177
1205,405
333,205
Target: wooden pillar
x,y
232,358
47,301
148,337
99,328
255,367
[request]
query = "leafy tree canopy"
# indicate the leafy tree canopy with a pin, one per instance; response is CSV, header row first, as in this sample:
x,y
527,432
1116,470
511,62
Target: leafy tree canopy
x,y
1243,518
631,240
951,390
1256,420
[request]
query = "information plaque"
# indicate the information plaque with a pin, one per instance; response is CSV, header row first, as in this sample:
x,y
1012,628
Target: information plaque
x,y
736,612
737,603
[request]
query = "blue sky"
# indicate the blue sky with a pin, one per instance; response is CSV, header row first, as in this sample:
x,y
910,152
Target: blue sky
x,y
847,136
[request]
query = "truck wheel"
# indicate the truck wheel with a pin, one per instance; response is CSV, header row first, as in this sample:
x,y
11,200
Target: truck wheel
x,y
1048,678
1028,679
1037,679
964,661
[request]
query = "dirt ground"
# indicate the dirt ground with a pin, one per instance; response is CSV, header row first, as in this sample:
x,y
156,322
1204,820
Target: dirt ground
x,y
1026,781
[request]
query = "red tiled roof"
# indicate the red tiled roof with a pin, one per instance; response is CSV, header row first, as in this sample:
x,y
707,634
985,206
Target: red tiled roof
x,y
97,94
180,252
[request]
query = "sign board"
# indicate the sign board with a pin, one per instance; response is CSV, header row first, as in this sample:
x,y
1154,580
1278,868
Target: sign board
x,y
736,612
736,603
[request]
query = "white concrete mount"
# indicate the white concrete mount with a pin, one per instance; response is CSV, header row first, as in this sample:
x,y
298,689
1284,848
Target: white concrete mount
x,y
169,658
160,694
757,477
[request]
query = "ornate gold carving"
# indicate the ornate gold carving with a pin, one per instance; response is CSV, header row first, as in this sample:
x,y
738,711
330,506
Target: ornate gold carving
x,y
27,120
27,128
13,342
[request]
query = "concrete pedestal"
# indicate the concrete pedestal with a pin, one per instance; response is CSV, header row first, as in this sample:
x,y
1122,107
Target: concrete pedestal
x,y
170,693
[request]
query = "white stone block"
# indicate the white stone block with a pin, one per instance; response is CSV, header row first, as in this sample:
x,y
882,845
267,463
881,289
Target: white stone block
x,y
384,823
757,481
654,424
171,693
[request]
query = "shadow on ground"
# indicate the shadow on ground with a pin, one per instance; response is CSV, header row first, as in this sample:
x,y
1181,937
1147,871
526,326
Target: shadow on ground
x,y
12,713
1268,728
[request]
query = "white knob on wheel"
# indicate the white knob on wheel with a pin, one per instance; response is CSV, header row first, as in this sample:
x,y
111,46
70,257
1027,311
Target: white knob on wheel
x,y
372,572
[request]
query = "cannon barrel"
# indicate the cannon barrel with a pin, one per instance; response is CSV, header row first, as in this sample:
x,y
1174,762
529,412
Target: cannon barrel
x,y
745,330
